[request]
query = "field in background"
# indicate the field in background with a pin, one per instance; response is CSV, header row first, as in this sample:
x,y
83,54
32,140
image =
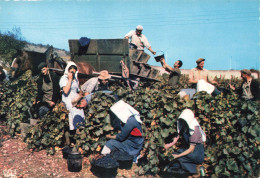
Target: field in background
x,y
227,74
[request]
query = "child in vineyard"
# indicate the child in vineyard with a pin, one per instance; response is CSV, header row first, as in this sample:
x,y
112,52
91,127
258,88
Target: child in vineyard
x,y
185,160
69,85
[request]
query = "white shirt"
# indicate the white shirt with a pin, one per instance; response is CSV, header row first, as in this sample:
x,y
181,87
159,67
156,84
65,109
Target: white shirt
x,y
247,94
139,41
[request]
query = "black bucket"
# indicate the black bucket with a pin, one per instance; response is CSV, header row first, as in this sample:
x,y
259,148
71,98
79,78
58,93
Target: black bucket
x,y
159,57
74,161
65,151
104,172
124,159
125,164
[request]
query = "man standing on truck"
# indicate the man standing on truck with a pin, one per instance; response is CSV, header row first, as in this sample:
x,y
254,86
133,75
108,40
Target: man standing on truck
x,y
138,40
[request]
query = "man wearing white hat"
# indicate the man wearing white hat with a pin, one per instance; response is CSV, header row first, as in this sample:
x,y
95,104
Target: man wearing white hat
x,y
138,40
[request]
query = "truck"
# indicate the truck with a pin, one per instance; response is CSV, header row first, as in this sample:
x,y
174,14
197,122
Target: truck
x,y
115,56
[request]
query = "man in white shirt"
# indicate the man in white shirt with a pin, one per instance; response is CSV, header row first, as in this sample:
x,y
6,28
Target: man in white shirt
x,y
138,40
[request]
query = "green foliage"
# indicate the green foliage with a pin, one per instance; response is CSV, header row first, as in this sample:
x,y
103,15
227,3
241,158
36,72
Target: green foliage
x,y
16,99
231,125
49,132
10,42
98,123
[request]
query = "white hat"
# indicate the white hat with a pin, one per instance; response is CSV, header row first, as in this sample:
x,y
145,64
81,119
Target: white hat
x,y
139,27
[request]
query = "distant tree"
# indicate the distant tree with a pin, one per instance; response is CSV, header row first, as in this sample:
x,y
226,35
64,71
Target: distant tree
x,y
10,43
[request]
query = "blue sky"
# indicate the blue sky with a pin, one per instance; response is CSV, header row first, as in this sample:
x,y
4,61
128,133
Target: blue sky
x,y
224,32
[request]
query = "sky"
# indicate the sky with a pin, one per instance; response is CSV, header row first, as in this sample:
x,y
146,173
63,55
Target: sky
x,y
224,32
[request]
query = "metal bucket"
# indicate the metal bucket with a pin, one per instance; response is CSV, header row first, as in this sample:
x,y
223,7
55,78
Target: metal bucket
x,y
159,56
74,161
66,151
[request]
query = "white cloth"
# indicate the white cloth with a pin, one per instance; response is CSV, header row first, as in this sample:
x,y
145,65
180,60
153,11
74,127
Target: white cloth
x,y
123,111
202,85
105,150
192,122
6,75
139,41
182,94
73,92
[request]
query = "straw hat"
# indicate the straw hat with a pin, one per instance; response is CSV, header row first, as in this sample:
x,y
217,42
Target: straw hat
x,y
104,75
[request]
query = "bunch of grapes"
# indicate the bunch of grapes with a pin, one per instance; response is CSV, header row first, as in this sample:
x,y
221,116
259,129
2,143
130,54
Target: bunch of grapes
x,y
122,156
105,162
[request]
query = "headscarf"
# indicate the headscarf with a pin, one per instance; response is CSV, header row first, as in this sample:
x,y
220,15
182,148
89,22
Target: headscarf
x,y
69,64
123,111
188,116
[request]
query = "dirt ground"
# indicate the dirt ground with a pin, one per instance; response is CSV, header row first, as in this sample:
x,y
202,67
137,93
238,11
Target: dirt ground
x,y
18,161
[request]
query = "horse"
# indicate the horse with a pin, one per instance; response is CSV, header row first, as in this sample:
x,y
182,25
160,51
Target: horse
x,y
57,64
24,61
85,71
29,60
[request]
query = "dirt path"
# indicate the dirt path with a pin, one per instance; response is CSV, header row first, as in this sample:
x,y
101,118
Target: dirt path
x,y
18,161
